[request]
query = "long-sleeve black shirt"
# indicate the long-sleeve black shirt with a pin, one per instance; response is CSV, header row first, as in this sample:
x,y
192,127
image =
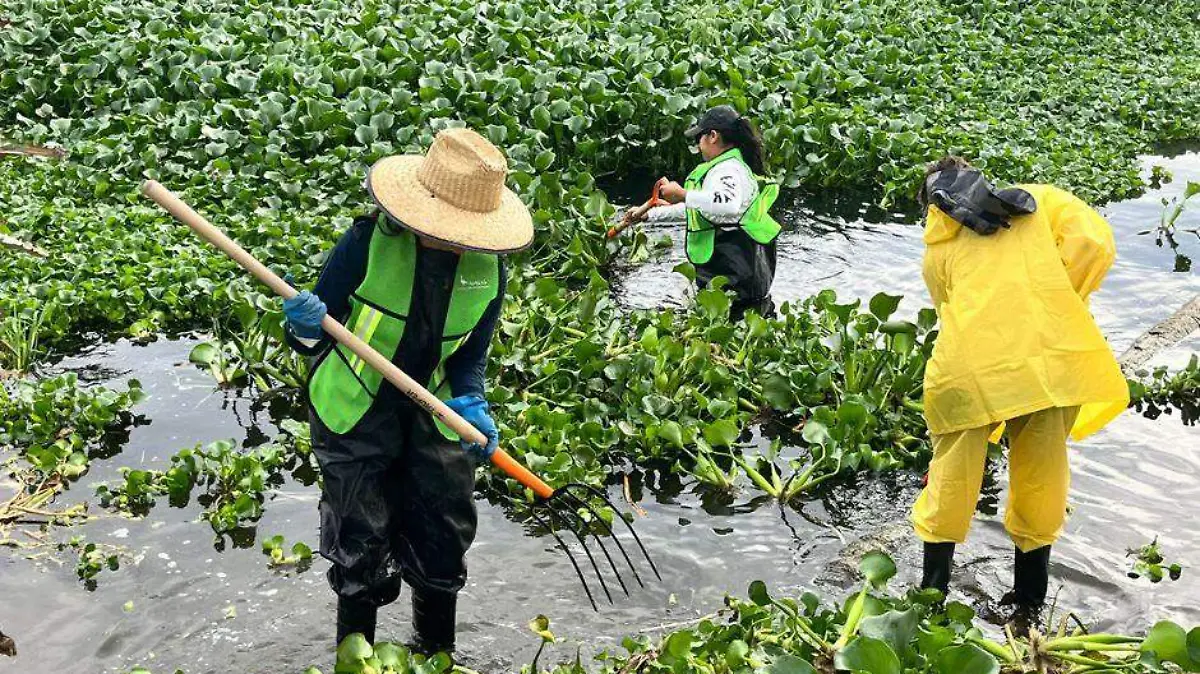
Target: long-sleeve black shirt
x,y
433,282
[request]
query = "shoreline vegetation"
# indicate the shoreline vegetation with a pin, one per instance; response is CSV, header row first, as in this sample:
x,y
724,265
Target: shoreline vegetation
x,y
266,115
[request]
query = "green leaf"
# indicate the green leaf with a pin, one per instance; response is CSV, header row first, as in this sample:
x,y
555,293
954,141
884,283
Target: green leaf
x,y
686,270
865,654
967,659
658,406
960,613
391,655
679,644
788,664
896,628
722,433
854,415
366,134
543,160
777,390
541,118
927,318
758,593
815,433
736,653
672,432
713,302
577,124
877,568
884,305
1169,642
931,642
353,649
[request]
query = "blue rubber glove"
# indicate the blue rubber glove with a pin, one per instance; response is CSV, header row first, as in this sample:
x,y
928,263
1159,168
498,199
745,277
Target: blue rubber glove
x,y
304,313
475,410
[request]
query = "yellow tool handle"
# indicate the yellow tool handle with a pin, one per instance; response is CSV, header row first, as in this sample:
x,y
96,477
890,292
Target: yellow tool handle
x,y
419,394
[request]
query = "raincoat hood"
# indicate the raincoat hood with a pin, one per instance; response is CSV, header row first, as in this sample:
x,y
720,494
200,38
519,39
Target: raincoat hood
x,y
965,198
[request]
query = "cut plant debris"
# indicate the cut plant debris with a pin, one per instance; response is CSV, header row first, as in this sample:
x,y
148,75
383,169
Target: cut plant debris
x,y
1148,562
94,558
1169,232
50,431
277,553
1164,391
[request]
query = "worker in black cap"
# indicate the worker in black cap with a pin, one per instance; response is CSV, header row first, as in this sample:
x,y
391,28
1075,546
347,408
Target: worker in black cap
x,y
726,201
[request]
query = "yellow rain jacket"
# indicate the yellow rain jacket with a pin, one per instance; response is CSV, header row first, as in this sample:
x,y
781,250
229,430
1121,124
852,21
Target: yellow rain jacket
x,y
1016,334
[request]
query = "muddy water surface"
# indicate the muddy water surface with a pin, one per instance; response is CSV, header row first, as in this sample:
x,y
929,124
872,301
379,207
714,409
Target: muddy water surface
x,y
205,611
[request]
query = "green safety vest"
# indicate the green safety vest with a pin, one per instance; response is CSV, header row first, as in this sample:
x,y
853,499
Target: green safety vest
x,y
343,386
756,221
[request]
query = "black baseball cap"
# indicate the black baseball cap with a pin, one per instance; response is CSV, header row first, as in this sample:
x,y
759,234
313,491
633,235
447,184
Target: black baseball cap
x,y
720,118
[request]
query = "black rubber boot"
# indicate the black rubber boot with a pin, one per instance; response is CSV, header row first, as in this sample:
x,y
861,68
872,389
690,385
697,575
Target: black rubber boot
x,y
356,616
433,617
936,569
1031,577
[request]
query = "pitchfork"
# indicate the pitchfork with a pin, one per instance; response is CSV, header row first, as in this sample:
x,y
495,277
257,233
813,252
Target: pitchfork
x,y
555,509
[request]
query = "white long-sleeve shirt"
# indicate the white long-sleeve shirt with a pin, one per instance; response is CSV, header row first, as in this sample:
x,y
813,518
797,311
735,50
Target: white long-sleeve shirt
x,y
723,199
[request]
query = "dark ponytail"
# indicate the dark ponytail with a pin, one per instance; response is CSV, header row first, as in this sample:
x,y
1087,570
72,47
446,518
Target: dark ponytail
x,y
745,137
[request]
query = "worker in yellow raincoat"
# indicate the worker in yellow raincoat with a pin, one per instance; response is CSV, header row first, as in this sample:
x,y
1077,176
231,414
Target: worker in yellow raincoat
x,y
1010,272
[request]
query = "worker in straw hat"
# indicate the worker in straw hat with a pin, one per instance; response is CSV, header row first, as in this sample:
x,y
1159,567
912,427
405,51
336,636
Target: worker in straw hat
x,y
421,280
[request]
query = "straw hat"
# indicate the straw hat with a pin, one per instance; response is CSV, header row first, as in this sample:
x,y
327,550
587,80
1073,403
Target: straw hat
x,y
454,194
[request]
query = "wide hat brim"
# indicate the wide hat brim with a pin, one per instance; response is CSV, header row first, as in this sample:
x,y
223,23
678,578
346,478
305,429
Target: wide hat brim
x,y
393,184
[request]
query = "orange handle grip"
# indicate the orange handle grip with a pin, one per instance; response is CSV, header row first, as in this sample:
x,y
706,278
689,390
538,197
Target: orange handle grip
x,y
656,194
504,461
654,200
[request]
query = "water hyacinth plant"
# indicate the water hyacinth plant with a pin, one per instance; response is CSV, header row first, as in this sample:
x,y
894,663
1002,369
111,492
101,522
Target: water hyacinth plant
x,y
883,633
873,631
234,485
50,431
266,116
276,133
578,392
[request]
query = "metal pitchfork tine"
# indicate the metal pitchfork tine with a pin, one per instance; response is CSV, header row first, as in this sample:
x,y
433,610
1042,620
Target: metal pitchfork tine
x,y
562,505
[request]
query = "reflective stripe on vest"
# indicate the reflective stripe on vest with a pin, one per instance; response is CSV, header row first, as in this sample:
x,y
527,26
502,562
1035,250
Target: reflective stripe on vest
x,y
756,221
343,386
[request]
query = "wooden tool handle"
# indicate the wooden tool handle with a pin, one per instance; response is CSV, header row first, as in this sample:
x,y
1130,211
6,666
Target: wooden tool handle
x,y
429,402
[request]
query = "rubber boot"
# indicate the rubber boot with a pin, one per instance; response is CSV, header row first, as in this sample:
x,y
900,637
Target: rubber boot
x,y
1031,577
356,616
433,618
936,569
